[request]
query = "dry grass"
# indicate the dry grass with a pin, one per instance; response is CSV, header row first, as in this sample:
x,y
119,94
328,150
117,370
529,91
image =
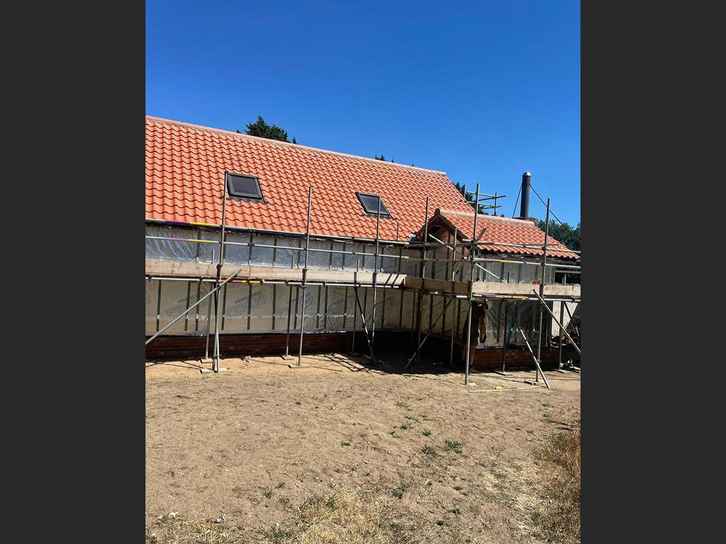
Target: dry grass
x,y
342,517
176,529
262,454
558,517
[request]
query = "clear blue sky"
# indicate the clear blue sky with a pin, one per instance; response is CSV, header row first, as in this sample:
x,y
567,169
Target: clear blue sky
x,y
480,90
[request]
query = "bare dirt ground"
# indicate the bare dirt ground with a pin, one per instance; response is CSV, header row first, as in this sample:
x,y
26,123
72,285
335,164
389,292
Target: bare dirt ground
x,y
246,452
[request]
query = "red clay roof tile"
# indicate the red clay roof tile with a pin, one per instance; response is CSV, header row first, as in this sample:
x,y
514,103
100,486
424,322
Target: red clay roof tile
x,y
185,167
497,232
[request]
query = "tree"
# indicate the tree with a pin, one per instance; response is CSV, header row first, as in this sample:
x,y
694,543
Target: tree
x,y
381,158
564,233
468,196
263,130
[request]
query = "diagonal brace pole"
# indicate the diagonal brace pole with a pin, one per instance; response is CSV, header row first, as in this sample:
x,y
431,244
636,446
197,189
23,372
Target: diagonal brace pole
x,y
558,322
363,321
536,361
415,353
197,303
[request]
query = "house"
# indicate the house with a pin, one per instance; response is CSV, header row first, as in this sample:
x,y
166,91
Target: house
x,y
322,251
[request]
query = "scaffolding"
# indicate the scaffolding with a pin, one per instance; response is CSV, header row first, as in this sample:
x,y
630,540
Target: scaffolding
x,y
458,284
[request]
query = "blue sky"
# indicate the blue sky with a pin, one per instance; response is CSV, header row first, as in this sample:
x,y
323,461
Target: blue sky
x,y
480,90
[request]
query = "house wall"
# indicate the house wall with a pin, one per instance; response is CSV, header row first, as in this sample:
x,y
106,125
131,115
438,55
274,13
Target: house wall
x,y
571,306
181,249
249,308
254,309
519,313
399,260
509,272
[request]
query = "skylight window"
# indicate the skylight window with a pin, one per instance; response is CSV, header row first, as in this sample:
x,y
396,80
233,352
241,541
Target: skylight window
x,y
241,186
370,204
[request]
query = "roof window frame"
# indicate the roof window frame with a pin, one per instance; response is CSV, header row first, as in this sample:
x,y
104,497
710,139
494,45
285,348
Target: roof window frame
x,y
259,197
385,212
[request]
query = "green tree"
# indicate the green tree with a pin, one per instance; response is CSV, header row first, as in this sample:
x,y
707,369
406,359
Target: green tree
x,y
382,158
564,233
468,196
263,130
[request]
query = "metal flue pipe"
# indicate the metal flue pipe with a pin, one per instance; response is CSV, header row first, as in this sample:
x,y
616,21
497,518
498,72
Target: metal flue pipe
x,y
526,188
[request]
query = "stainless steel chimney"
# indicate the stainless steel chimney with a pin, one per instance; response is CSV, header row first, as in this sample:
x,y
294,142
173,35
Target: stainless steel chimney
x,y
526,186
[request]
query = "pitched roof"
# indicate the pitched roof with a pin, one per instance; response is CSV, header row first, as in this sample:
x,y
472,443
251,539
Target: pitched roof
x,y
502,234
185,167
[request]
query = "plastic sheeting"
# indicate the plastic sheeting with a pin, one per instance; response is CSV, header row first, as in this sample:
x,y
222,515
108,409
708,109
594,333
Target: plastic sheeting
x,y
409,309
178,248
235,303
392,306
174,300
438,269
151,298
336,310
171,249
180,245
257,308
572,307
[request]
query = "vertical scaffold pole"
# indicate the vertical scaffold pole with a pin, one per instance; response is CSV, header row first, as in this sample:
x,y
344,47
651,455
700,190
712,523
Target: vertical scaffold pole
x,y
562,320
220,263
375,272
505,338
209,324
305,274
472,245
423,274
289,316
453,276
542,284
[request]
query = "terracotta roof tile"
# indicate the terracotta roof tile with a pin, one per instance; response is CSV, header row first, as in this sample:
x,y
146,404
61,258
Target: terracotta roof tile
x,y
185,167
503,230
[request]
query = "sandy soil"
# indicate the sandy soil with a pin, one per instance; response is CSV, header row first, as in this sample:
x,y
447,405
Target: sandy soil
x,y
253,442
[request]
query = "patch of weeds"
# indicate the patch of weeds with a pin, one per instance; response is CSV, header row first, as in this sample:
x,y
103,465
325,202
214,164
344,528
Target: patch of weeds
x,y
400,489
393,434
405,427
175,528
559,519
267,492
426,432
345,443
284,501
412,418
277,534
428,450
345,517
455,446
